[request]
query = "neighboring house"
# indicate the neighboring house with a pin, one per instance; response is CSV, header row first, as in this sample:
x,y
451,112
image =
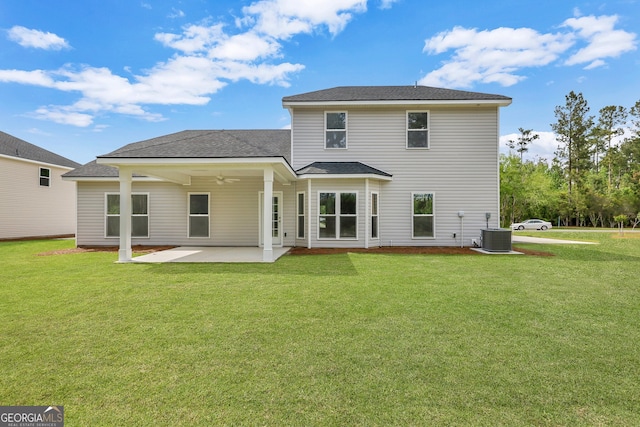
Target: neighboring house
x,y
34,200
360,167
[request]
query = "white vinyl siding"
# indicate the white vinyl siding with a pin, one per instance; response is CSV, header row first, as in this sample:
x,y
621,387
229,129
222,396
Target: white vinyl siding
x,y
28,209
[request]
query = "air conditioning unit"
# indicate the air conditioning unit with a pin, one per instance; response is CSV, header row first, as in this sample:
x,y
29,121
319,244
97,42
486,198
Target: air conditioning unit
x,y
496,240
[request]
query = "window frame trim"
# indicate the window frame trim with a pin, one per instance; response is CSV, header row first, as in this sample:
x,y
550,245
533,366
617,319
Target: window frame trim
x,y
189,215
148,214
377,215
432,215
407,130
346,129
339,214
41,177
303,215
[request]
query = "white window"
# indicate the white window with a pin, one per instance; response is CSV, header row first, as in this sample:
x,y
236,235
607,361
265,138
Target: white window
x,y
45,177
139,215
338,216
198,214
374,215
300,213
423,215
417,129
335,129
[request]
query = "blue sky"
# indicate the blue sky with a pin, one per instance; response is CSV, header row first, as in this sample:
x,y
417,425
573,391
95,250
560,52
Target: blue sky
x,y
84,77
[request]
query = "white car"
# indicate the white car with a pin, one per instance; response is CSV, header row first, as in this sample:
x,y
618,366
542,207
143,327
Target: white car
x,y
531,224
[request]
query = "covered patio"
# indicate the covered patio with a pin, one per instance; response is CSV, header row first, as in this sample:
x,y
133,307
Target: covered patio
x,y
210,255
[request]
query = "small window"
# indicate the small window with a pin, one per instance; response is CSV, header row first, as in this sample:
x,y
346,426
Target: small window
x,y
417,129
336,130
139,215
338,217
423,218
300,213
374,215
45,177
198,214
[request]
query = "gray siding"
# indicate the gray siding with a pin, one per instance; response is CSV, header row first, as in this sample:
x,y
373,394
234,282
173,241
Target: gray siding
x,y
460,168
234,213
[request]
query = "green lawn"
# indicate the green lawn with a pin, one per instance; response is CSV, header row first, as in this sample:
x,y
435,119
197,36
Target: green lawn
x,y
350,339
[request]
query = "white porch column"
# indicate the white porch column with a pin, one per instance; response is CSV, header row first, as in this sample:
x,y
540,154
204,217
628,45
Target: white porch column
x,y
267,217
367,213
309,213
124,254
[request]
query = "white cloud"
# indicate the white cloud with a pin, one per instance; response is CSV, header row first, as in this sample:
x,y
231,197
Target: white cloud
x,y
500,55
283,19
603,40
386,4
542,148
208,56
63,116
194,38
26,37
491,55
176,13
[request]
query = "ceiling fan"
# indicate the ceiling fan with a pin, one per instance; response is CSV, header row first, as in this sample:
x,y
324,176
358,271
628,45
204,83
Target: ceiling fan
x,y
221,180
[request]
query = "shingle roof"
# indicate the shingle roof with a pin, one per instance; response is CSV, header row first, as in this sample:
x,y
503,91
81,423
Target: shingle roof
x,y
93,170
20,149
210,144
340,168
391,93
196,144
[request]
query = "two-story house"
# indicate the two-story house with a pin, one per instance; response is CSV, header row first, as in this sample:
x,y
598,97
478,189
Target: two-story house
x,y
361,167
34,200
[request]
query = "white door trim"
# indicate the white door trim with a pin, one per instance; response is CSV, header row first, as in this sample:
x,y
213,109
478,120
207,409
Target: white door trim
x,y
277,241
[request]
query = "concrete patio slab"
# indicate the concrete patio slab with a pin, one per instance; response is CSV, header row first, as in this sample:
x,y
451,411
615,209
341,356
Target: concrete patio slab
x,y
209,254
545,240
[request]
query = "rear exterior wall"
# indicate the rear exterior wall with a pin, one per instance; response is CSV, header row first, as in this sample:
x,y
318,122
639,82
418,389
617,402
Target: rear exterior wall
x,y
460,168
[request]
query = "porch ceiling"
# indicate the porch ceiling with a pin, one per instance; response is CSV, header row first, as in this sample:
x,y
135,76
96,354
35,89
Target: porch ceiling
x,y
182,172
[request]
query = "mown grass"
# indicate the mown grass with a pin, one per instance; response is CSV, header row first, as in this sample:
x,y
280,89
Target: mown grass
x,y
349,339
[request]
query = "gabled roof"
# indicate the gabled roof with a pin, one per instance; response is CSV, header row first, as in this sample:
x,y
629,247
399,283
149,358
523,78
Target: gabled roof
x,y
210,144
382,94
341,168
15,147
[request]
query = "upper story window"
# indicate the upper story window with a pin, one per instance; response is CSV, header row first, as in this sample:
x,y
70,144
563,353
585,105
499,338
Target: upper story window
x,y
335,129
417,129
45,177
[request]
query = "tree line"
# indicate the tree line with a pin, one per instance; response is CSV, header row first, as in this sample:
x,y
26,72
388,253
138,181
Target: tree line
x,y
594,178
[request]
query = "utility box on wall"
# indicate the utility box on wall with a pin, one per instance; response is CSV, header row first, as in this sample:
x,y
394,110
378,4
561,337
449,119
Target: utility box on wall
x,y
496,240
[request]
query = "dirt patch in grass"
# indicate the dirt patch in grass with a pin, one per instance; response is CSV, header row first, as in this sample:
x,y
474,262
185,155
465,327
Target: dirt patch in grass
x,y
406,250
84,249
